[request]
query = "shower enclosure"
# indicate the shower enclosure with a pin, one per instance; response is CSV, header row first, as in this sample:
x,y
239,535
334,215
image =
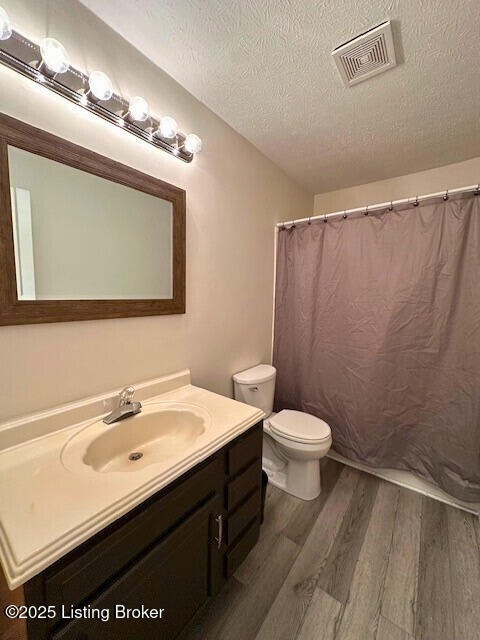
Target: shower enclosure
x,y
377,331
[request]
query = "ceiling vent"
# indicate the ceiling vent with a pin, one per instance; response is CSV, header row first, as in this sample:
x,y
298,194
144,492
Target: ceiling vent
x,y
366,55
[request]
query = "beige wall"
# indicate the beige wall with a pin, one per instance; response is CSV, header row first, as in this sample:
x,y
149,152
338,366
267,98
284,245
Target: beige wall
x,y
460,174
234,196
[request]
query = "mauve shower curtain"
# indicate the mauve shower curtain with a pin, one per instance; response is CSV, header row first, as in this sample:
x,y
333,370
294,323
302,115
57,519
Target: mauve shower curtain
x,y
377,331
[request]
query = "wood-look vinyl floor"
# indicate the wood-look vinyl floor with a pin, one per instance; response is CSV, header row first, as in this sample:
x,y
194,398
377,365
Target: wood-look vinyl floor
x,y
367,560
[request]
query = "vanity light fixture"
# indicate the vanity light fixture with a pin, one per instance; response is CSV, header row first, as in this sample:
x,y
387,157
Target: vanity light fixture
x,y
168,128
48,64
100,86
5,26
193,143
54,57
138,109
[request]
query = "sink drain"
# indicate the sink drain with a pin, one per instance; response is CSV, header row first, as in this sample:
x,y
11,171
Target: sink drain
x,y
135,456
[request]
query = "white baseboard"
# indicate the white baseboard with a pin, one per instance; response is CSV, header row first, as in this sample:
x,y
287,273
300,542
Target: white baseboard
x,y
411,481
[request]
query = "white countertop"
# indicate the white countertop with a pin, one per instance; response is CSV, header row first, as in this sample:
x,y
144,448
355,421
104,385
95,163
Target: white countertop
x,y
46,509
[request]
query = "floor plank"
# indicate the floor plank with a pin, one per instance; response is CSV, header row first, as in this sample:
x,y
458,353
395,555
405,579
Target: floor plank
x,y
465,572
288,515
389,631
303,516
321,618
434,616
287,612
209,621
338,572
362,611
279,506
476,526
399,596
238,611
244,619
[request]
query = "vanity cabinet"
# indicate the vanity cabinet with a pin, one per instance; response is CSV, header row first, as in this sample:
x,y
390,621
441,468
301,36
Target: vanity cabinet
x,y
171,553
171,579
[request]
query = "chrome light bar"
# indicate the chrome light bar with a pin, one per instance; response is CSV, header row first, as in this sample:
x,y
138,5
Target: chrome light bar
x,y
23,55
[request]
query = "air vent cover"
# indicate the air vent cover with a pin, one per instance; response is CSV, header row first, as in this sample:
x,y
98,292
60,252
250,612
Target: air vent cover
x,y
366,55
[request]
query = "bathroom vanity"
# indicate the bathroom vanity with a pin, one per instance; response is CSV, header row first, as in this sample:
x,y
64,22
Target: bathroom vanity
x,y
172,553
165,556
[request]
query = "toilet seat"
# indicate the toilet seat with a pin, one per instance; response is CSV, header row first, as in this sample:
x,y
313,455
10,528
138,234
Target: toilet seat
x,y
298,426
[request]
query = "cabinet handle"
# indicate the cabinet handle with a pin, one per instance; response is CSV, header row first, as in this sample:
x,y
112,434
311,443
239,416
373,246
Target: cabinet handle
x,y
219,538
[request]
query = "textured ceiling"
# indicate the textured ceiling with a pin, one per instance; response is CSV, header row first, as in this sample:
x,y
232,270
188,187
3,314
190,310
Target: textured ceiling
x,y
265,67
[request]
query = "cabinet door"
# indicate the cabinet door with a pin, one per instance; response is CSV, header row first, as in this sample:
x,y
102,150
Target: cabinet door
x,y
173,576
87,571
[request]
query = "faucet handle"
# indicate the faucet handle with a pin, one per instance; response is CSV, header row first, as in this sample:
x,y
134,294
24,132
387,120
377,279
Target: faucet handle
x,y
126,395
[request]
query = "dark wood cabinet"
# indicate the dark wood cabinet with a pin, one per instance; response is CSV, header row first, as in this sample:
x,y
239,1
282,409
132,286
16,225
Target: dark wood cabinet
x,y
168,556
171,581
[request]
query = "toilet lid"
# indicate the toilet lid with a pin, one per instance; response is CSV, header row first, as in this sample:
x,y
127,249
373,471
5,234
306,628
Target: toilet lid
x,y
299,426
256,375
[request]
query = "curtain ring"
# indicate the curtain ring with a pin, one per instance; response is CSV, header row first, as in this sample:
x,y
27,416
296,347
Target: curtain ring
x,y
415,204
477,190
310,220
390,208
345,215
366,211
293,225
325,218
446,196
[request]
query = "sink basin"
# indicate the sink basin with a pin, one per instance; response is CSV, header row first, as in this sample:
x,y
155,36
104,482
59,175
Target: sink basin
x,y
160,432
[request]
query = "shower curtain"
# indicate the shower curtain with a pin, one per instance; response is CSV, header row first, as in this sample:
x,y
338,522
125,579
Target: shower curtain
x,y
377,331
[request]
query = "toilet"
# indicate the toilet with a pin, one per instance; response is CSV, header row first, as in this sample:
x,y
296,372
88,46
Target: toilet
x,y
293,441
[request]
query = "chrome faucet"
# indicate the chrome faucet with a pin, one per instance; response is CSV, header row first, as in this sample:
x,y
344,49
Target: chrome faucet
x,y
126,407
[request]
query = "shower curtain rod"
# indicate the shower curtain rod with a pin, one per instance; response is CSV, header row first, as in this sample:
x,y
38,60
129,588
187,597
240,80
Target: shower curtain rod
x,y
385,205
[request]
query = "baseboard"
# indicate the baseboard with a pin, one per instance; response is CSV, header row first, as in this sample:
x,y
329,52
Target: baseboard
x,y
411,481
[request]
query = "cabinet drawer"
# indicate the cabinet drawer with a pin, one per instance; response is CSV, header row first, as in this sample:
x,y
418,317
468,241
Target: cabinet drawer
x,y
81,577
243,515
244,450
239,552
243,484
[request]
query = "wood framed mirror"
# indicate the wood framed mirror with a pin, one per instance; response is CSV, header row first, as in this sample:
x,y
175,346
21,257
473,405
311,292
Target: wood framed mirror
x,y
83,237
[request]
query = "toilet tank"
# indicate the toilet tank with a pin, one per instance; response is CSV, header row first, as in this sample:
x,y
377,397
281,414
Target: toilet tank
x,y
256,387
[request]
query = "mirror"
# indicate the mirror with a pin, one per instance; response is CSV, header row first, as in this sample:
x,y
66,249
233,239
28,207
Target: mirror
x,y
84,237
81,237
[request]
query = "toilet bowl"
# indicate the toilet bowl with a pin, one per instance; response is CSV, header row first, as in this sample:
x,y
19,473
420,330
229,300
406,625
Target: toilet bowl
x,y
293,441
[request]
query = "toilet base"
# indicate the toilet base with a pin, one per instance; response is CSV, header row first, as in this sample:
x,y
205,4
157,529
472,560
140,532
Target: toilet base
x,y
303,479
299,479
294,483
277,478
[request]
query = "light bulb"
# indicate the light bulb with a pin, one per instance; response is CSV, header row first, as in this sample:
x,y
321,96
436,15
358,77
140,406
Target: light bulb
x,y
168,127
192,144
138,109
54,55
5,26
100,85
